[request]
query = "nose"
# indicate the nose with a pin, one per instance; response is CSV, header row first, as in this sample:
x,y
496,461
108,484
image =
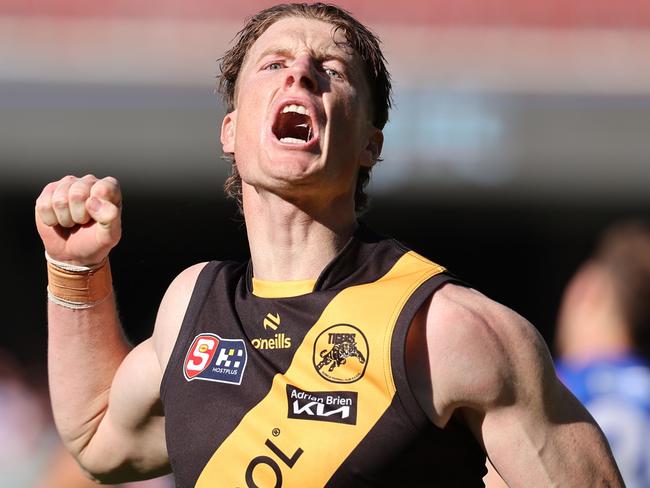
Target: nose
x,y
302,72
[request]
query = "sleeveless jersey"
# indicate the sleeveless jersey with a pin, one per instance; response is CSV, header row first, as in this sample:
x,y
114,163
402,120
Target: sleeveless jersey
x,y
617,393
310,390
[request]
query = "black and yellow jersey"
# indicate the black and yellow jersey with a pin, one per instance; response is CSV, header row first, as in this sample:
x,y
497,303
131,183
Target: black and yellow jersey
x,y
309,389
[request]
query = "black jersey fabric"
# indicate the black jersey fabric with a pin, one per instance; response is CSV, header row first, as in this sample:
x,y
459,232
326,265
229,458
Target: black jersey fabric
x,y
310,390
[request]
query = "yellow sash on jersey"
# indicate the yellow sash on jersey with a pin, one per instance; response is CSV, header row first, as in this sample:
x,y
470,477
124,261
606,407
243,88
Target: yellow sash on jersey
x,y
267,449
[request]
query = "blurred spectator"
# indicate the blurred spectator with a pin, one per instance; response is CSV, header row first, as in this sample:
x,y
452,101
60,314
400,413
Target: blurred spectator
x,y
31,455
26,434
62,471
603,342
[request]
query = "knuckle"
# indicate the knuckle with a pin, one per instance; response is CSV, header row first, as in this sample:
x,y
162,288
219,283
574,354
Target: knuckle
x,y
111,180
42,208
112,185
59,201
42,202
47,192
78,194
105,190
100,191
50,187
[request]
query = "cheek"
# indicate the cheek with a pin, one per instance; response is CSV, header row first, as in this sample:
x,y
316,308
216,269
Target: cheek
x,y
250,118
349,119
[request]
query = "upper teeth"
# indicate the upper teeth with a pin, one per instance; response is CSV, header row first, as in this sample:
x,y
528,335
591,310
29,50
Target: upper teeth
x,y
295,108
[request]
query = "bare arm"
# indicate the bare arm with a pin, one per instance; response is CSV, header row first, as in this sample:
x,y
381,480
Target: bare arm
x,y
490,367
105,394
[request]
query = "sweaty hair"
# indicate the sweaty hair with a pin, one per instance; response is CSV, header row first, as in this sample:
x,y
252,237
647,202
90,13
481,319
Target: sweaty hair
x,y
358,37
624,250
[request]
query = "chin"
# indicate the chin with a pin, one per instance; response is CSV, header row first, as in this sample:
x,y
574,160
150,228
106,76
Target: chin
x,y
292,164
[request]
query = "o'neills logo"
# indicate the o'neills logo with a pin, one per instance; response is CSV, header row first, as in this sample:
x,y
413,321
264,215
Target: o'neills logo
x,y
326,406
278,341
341,354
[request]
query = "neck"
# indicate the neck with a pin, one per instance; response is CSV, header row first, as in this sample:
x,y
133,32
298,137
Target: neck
x,y
592,324
597,331
604,345
294,240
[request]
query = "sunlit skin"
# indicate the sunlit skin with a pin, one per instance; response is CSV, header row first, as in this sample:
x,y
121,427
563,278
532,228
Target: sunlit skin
x,y
304,62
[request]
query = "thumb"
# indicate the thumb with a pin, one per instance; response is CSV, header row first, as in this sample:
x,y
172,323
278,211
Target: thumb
x,y
107,215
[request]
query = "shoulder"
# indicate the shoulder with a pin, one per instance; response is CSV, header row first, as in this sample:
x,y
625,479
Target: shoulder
x,y
457,316
172,311
488,366
480,354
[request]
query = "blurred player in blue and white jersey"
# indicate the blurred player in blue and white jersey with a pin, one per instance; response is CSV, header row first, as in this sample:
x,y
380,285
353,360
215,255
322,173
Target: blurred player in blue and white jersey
x,y
603,341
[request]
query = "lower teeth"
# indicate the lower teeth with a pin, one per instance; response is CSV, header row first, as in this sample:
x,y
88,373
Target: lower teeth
x,y
292,140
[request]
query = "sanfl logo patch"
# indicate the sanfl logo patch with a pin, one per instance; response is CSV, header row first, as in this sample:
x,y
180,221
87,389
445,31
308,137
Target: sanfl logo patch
x,y
212,358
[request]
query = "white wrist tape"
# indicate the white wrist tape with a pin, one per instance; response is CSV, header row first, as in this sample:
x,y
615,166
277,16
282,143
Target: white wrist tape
x,y
74,268
70,304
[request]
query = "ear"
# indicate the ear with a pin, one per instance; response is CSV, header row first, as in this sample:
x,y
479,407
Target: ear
x,y
373,149
228,132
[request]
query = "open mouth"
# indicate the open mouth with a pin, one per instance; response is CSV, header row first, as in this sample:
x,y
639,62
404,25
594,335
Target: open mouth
x,y
293,125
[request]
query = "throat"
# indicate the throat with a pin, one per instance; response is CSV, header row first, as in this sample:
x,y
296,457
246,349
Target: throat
x,y
292,240
295,256
293,128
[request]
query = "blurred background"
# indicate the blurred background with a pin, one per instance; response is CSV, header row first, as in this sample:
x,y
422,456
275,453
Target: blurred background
x,y
520,130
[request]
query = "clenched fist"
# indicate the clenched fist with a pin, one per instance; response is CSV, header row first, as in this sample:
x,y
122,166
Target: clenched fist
x,y
79,219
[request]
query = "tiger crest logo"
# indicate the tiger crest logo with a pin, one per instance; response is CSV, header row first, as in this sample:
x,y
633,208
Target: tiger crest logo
x,y
341,354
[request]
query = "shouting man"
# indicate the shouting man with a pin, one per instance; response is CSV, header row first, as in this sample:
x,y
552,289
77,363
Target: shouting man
x,y
334,356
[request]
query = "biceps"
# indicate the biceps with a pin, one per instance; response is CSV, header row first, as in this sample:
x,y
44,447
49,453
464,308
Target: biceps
x,y
130,442
135,396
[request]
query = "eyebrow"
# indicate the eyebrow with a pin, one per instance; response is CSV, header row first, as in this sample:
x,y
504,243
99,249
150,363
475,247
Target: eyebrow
x,y
273,51
328,54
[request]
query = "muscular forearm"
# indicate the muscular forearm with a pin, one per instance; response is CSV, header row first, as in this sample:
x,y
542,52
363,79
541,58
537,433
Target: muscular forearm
x,y
86,348
575,456
105,395
561,446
